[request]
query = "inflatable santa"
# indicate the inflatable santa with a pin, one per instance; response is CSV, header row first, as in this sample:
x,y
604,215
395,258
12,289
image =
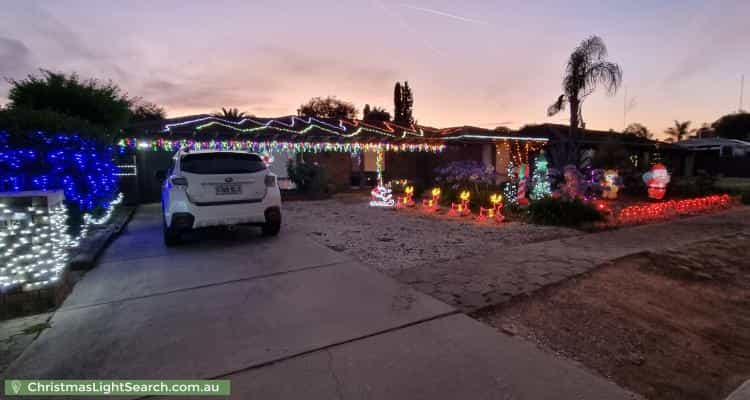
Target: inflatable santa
x,y
657,180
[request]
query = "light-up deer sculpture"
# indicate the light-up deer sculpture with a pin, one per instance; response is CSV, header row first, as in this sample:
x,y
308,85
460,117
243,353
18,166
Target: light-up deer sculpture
x,y
407,200
461,209
433,203
495,212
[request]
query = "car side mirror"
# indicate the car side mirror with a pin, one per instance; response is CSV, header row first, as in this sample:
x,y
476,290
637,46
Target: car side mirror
x,y
160,175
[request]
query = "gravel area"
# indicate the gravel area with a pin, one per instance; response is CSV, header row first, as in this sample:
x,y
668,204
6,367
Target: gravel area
x,y
395,240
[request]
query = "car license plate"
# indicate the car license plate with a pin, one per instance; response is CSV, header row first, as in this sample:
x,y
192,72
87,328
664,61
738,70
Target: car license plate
x,y
228,188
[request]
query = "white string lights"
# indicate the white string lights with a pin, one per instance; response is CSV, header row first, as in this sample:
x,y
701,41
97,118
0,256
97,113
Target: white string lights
x,y
35,244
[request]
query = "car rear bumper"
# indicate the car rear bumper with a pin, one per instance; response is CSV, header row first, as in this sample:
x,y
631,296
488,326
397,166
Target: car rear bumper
x,y
221,214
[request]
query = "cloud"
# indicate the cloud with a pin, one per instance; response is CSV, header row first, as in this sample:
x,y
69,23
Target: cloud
x,y
298,65
14,58
66,50
723,35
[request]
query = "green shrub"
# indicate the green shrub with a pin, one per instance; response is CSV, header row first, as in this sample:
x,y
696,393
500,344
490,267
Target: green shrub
x,y
309,178
19,122
552,211
695,186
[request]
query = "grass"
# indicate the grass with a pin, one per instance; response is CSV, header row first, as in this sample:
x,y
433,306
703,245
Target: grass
x,y
36,328
733,184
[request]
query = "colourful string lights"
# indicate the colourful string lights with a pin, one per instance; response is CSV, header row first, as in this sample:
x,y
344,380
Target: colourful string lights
x,y
172,145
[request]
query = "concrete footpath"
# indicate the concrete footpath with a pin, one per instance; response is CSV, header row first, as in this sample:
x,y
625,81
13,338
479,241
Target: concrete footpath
x,y
499,275
282,318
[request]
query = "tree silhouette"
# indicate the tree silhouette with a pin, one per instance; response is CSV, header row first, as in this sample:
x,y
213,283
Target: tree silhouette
x,y
403,102
705,131
100,103
733,126
146,111
679,131
329,107
638,130
232,114
365,111
376,114
586,69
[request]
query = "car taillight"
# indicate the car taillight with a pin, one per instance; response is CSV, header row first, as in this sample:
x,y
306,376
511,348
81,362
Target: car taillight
x,y
270,181
179,181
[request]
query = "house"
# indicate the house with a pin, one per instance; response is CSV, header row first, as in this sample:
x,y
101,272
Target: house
x,y
641,151
351,150
719,156
356,152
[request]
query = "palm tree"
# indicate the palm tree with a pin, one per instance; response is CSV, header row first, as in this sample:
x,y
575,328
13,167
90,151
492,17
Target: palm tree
x,y
679,131
586,69
231,114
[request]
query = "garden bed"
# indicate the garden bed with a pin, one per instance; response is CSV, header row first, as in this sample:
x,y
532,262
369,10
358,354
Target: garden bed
x,y
671,325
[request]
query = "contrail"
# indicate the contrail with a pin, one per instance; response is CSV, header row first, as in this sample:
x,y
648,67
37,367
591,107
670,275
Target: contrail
x,y
445,14
407,27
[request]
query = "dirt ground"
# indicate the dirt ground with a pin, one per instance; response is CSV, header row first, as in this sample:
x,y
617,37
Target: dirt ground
x,y
393,240
673,325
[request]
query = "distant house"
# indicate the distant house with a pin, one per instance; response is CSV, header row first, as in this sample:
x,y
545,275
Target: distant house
x,y
641,151
719,156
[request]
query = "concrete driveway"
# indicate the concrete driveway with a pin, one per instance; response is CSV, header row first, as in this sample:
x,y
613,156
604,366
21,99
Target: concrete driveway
x,y
282,317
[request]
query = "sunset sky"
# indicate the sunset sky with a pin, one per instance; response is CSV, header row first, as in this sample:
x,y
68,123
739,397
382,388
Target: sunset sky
x,y
483,63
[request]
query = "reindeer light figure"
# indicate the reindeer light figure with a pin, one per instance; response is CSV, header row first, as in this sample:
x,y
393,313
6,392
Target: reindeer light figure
x,y
432,204
461,209
407,200
494,213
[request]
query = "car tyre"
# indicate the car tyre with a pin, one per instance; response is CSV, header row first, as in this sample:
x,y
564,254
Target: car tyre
x,y
273,222
171,236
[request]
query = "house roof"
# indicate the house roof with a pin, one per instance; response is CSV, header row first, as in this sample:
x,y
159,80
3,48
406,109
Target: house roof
x,y
309,129
713,143
556,132
295,128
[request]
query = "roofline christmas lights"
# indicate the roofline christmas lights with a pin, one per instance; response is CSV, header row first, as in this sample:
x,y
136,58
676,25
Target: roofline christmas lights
x,y
265,146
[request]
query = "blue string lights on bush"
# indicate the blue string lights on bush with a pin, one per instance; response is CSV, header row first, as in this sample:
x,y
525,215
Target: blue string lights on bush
x,y
81,167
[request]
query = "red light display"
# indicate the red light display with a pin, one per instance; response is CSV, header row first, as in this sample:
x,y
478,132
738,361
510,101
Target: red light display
x,y
666,209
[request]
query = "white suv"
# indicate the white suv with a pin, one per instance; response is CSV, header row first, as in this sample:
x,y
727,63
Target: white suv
x,y
219,188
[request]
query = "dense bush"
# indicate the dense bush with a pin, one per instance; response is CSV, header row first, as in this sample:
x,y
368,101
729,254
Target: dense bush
x,y
554,211
695,186
21,121
309,178
100,103
81,167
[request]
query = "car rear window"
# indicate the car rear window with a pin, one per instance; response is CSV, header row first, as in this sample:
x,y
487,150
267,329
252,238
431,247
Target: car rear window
x,y
221,163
